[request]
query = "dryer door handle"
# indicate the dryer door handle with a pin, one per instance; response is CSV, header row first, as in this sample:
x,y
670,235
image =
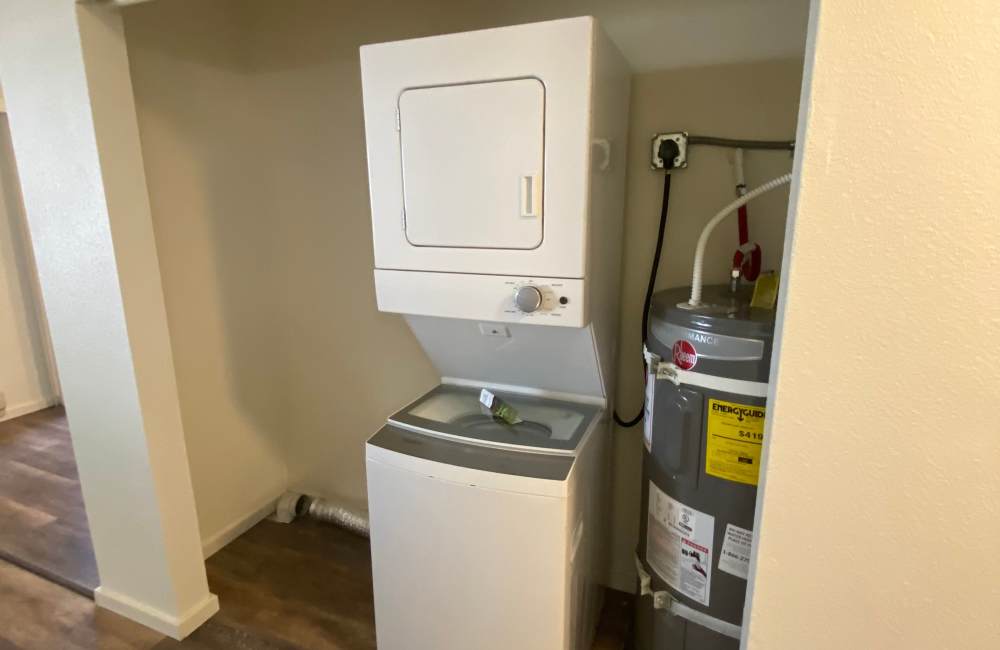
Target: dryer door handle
x,y
531,195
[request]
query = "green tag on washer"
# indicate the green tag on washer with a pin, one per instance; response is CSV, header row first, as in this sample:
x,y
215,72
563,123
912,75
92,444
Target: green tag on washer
x,y
499,408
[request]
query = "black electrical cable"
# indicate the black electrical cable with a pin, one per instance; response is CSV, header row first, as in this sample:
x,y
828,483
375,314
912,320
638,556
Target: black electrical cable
x,y
669,149
649,291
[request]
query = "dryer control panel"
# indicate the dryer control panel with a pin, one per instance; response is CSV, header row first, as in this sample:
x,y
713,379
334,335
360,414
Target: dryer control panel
x,y
533,297
497,298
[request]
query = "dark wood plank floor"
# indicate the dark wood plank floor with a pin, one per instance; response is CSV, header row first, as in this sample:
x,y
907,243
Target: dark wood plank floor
x,y
38,614
281,586
308,585
299,585
43,526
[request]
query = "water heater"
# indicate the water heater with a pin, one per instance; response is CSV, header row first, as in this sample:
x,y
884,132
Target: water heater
x,y
706,386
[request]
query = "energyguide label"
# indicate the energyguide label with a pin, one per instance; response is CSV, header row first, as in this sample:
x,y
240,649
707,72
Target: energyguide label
x,y
735,439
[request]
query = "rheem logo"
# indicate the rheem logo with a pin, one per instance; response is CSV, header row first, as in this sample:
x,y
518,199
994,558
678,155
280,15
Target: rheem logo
x,y
685,356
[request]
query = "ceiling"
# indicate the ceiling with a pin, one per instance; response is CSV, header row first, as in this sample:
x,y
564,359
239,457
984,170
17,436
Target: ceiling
x,y
653,34
680,33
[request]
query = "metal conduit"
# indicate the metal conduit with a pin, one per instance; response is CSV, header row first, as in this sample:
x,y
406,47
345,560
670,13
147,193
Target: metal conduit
x,y
780,145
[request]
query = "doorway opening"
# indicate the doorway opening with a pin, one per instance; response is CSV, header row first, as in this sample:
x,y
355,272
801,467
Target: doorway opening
x,y
43,524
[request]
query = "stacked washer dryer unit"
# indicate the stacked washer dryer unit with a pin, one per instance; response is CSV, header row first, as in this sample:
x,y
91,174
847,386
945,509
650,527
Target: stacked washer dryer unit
x,y
496,169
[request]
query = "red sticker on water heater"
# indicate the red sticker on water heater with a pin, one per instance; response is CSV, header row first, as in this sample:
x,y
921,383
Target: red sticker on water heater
x,y
685,356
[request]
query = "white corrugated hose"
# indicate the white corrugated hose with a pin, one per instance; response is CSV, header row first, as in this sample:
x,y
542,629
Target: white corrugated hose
x,y
699,252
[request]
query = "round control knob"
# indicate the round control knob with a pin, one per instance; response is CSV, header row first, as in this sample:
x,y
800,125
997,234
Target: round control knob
x,y
528,298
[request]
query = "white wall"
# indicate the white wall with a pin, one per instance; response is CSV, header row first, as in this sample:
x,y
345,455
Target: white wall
x,y
251,121
879,522
69,99
27,379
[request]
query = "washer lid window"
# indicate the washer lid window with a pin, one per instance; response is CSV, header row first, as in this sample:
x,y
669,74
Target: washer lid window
x,y
452,411
472,158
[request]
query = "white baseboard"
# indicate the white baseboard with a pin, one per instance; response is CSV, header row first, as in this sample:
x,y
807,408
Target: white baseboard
x,y
176,627
24,408
214,543
180,627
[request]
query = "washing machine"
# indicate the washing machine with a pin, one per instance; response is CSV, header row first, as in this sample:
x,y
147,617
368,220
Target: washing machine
x,y
479,528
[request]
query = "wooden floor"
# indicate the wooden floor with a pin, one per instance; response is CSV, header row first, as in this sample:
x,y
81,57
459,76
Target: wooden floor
x,y
43,526
281,587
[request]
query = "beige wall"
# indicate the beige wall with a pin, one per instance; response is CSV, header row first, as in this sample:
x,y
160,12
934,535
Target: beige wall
x,y
219,237
757,101
254,147
27,377
259,193
76,142
879,523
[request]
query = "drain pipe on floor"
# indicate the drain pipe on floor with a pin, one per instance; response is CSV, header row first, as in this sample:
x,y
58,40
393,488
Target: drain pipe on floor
x,y
294,504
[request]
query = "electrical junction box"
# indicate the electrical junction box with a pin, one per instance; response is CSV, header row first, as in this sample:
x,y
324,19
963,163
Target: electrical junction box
x,y
680,160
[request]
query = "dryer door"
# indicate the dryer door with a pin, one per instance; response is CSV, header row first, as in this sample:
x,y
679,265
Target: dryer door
x,y
472,164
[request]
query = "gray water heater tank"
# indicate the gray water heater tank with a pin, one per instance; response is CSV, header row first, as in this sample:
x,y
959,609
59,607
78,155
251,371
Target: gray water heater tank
x,y
704,430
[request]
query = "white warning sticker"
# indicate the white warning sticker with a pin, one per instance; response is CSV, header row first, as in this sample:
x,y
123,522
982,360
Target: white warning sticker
x,y
734,558
647,425
679,545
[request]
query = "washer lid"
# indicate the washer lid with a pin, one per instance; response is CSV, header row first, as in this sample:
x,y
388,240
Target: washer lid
x,y
451,411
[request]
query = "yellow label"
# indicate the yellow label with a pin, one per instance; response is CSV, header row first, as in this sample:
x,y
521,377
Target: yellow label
x,y
735,438
765,291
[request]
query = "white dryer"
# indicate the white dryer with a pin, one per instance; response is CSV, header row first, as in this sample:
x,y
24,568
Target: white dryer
x,y
496,166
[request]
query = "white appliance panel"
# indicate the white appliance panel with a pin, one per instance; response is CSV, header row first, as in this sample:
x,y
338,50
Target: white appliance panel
x,y
465,544
472,161
480,297
553,359
501,548
559,54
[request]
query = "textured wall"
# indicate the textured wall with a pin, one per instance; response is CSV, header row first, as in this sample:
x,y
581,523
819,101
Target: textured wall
x,y
26,378
76,142
880,513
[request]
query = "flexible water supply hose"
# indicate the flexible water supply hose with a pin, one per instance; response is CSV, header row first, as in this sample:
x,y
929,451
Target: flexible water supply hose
x,y
699,252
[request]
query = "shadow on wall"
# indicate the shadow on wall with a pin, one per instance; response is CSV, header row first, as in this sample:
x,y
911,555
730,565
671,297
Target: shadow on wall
x,y
218,250
261,212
